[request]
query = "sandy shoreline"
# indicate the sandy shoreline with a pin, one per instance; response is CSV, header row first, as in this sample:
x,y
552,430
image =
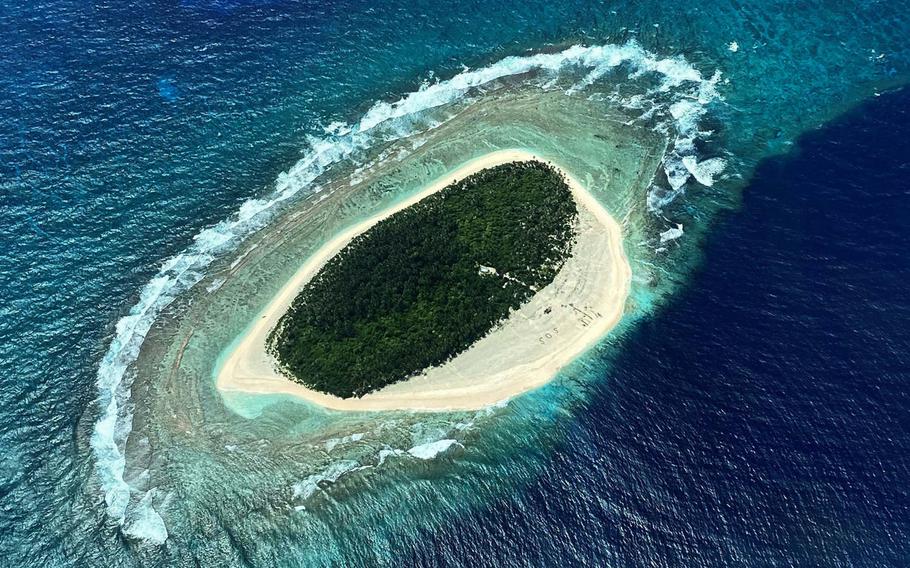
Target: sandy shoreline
x,y
560,322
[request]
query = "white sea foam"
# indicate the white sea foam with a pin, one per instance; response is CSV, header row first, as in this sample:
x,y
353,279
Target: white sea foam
x,y
672,233
337,128
215,285
687,113
240,257
145,523
306,488
704,171
430,450
387,452
333,443
383,122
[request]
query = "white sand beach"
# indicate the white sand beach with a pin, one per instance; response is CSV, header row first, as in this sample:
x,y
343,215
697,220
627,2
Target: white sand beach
x,y
561,321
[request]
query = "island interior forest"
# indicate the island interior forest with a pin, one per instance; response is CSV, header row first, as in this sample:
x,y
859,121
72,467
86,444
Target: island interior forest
x,y
424,284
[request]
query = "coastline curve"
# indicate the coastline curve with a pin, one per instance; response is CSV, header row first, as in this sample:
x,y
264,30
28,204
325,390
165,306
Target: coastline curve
x,y
561,322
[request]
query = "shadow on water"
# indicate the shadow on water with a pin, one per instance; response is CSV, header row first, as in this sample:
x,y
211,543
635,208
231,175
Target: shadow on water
x,y
761,419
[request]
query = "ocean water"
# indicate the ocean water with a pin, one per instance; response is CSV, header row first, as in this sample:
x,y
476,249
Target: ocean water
x,y
752,409
761,418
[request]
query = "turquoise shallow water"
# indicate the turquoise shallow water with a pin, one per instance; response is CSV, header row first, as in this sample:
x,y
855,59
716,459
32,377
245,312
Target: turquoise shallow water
x,y
130,130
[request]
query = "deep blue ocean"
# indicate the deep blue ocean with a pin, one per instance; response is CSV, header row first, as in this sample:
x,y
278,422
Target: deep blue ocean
x,y
762,418
759,416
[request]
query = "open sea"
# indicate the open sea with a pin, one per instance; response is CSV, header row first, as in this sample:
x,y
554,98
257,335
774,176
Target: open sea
x,y
753,409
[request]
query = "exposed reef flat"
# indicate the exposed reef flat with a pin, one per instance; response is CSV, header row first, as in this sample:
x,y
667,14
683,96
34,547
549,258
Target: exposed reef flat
x,y
564,319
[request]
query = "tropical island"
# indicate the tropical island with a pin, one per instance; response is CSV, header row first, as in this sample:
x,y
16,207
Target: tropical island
x,y
424,284
480,287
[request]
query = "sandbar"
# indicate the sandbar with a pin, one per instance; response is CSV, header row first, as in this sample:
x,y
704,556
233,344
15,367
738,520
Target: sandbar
x,y
560,322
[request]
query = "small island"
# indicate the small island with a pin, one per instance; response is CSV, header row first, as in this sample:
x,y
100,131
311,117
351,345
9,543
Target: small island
x,y
478,288
424,284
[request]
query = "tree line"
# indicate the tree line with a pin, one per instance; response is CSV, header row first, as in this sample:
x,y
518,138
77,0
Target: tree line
x,y
410,293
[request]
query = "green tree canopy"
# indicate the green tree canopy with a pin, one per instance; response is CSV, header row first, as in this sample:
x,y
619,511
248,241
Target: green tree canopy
x,y
426,283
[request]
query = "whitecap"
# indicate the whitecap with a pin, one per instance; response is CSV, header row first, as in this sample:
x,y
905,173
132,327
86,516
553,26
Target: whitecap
x,y
672,233
145,523
704,171
432,449
307,487
215,285
388,452
333,443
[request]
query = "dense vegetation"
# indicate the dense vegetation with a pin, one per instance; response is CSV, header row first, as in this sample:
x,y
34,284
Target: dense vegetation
x,y
419,287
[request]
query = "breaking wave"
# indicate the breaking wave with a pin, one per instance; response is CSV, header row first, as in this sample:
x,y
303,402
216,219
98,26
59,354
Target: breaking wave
x,y
430,450
305,489
683,93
